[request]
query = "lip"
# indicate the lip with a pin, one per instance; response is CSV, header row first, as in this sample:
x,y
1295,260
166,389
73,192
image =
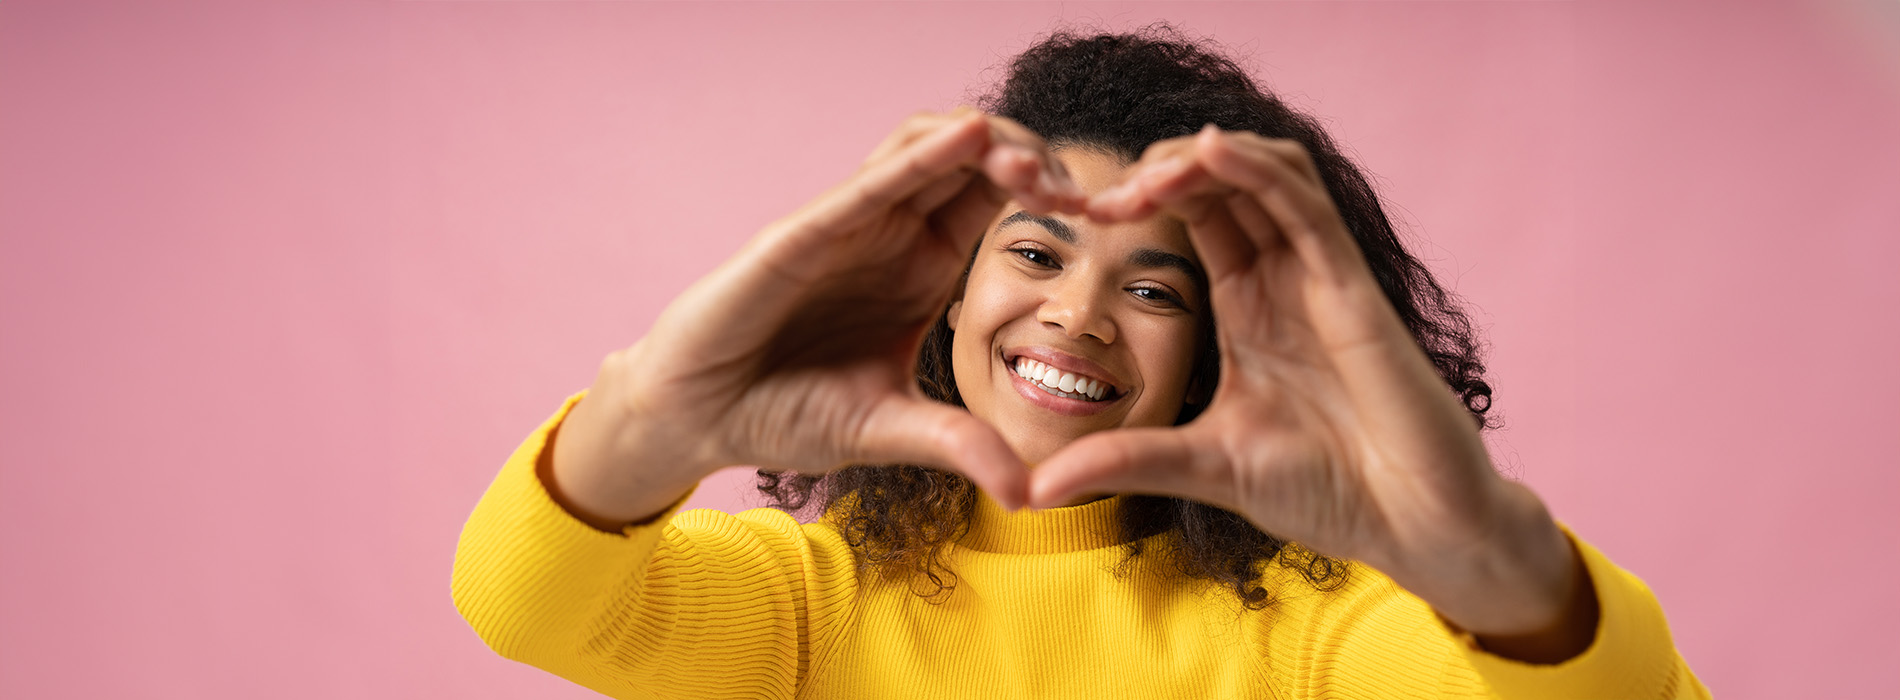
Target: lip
x,y
1067,363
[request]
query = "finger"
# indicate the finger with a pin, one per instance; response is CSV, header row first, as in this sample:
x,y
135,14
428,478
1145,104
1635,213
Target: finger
x,y
1021,162
967,215
1379,361
1054,176
1017,159
918,431
1292,152
1147,189
1169,176
910,170
1161,461
1297,201
940,191
1259,226
1021,174
914,127
1218,240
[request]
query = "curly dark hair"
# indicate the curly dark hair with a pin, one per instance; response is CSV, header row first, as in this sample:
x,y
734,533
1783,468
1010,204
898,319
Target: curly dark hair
x,y
1119,93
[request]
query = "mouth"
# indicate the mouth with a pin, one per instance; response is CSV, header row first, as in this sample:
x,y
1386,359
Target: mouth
x,y
1063,377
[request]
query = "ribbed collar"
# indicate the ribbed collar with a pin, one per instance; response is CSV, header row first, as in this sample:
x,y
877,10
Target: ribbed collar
x,y
1088,526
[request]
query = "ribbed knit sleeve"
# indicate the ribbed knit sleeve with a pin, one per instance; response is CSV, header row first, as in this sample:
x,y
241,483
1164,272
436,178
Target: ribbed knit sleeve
x,y
1632,655
1374,639
700,604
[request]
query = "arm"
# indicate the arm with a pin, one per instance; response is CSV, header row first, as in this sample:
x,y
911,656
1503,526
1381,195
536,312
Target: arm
x,y
1374,638
575,560
1628,652
1574,625
1330,426
703,604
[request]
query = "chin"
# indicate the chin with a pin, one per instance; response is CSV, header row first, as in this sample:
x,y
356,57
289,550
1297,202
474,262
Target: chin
x,y
1034,450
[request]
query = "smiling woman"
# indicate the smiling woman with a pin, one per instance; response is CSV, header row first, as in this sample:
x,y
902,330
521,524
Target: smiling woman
x,y
1019,308
1100,103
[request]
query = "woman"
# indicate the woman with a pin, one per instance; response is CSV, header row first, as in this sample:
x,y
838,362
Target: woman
x,y
1039,286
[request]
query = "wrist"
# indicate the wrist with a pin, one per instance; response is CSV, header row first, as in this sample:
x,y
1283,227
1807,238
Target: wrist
x,y
601,466
1522,581
1563,637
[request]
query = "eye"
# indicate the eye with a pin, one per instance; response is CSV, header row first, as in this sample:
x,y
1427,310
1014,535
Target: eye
x,y
1158,295
1034,256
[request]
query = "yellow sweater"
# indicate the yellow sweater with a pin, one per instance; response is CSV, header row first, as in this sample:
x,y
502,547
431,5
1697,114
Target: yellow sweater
x,y
705,604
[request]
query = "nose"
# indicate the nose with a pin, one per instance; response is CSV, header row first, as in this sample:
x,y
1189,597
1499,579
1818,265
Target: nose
x,y
1075,305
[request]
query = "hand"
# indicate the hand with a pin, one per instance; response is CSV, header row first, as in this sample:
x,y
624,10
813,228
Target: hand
x,y
1330,427
799,352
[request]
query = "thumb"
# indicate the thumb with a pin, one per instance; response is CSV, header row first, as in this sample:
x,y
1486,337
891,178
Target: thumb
x,y
1159,461
913,430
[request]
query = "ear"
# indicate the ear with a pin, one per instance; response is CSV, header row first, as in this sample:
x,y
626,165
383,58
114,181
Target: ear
x,y
950,317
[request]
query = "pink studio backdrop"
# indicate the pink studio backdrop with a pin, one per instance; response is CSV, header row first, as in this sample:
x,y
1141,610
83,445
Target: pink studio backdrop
x,y
283,284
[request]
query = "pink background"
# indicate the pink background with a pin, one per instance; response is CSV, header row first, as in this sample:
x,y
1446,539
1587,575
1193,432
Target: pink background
x,y
283,284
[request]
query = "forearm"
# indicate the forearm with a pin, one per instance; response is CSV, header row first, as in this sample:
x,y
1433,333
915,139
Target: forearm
x,y
610,610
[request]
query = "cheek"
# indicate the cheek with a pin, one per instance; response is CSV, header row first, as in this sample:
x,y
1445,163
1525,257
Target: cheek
x,y
990,300
980,312
1168,363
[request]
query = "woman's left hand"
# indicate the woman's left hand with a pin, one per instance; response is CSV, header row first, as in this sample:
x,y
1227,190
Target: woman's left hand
x,y
1329,426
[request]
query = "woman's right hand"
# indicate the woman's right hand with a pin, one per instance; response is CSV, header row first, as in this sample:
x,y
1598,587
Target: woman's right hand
x,y
799,353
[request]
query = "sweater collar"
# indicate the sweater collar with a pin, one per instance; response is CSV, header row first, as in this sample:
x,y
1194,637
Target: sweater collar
x,y
1091,525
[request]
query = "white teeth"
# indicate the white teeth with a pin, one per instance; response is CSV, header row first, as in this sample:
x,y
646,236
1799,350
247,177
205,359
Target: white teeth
x,y
1060,383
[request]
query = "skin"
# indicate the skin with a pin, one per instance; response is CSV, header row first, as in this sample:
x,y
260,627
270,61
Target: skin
x,y
1329,427
1088,298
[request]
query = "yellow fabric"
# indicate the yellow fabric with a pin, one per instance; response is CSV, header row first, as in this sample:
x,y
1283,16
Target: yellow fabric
x,y
704,604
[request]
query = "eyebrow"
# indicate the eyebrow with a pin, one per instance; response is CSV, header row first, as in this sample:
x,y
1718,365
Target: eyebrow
x,y
1143,257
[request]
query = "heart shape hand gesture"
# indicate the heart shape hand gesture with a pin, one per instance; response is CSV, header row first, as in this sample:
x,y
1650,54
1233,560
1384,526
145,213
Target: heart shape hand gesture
x,y
1329,425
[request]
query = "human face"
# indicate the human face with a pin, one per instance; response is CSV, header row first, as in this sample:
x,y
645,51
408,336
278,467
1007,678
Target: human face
x,y
1119,305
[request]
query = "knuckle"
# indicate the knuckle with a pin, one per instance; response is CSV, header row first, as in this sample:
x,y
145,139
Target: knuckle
x,y
1166,148
1022,134
1250,137
614,361
1292,149
952,435
908,131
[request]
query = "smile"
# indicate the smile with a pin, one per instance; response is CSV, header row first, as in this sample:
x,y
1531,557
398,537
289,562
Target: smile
x,y
1068,385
